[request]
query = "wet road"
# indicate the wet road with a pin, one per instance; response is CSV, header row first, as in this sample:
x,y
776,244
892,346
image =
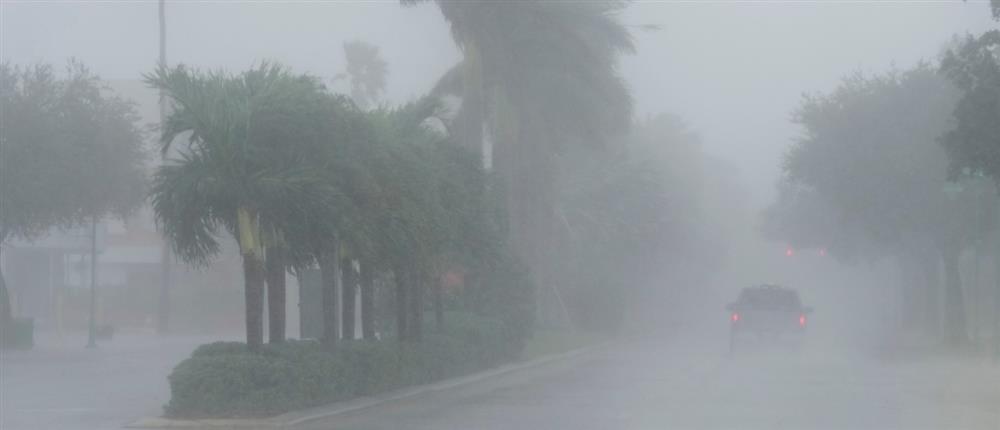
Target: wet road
x,y
60,385
635,385
694,385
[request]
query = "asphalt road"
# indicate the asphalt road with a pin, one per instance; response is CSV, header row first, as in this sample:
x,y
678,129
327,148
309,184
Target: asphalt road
x,y
60,385
695,385
683,384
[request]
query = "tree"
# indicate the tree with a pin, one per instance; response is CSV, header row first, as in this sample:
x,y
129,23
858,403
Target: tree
x,y
641,200
535,77
870,150
366,72
410,220
974,142
70,153
805,219
323,234
242,166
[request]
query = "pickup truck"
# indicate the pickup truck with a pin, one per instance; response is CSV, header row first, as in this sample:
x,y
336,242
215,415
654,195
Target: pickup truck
x,y
767,313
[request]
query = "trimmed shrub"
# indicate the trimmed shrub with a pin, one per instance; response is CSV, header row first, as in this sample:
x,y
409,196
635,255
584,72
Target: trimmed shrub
x,y
225,379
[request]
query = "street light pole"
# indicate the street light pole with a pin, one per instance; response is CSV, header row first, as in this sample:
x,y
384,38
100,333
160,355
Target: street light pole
x,y
92,329
163,302
996,290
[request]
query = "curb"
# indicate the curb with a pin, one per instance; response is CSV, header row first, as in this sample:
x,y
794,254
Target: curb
x,y
292,419
213,424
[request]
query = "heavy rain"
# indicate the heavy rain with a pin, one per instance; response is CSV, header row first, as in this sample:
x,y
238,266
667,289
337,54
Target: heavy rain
x,y
487,214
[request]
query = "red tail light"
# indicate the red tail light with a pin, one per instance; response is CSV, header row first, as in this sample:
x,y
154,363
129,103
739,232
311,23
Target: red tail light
x,y
802,320
735,317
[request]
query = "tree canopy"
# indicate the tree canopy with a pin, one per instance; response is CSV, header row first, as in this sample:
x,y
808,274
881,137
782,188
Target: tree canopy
x,y
366,72
974,142
71,150
869,155
70,153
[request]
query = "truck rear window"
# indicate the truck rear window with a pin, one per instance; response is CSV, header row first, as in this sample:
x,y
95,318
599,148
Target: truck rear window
x,y
770,298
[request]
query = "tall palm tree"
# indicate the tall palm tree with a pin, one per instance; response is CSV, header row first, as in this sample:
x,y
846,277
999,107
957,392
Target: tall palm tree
x,y
366,71
537,75
241,168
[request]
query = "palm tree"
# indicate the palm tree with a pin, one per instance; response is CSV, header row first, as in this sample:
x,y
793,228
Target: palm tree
x,y
241,169
536,75
366,71
409,223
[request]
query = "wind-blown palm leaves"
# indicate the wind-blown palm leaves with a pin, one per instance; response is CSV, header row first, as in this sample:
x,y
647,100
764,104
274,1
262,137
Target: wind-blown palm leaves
x,y
429,192
553,62
366,71
281,164
242,168
539,75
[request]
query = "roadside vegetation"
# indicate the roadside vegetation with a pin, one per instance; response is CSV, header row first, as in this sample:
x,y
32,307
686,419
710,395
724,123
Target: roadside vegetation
x,y
902,165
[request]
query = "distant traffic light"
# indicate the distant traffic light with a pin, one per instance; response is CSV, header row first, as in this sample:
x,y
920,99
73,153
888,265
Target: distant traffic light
x,y
789,252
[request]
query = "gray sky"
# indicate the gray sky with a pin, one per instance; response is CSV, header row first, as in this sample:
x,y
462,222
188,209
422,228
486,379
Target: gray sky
x,y
734,70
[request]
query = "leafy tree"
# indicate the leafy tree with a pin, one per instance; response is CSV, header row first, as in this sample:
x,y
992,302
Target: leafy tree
x,y
870,150
242,167
974,142
70,153
804,219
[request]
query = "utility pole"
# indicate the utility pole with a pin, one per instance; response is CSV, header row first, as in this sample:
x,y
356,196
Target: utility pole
x,y
163,303
996,290
92,329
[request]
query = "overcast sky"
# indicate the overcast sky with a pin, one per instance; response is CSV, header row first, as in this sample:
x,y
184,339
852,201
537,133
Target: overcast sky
x,y
734,70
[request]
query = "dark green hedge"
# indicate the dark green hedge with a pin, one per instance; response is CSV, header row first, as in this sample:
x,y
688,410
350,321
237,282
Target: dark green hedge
x,y
225,379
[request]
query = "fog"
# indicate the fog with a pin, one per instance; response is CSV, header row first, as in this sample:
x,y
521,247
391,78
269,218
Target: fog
x,y
759,144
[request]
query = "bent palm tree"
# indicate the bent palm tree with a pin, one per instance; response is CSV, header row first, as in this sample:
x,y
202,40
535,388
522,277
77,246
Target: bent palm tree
x,y
240,169
536,75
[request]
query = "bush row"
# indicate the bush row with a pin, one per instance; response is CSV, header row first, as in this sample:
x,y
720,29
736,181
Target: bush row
x,y
225,379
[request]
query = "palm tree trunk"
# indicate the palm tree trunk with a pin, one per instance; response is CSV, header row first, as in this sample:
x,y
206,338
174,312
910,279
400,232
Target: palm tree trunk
x,y
328,274
248,237
438,287
416,303
348,288
471,131
253,286
275,266
955,329
909,309
367,302
472,290
6,316
510,161
931,294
